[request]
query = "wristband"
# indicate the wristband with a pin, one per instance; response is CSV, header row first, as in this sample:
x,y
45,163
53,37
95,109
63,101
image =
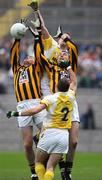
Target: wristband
x,y
19,113
14,113
69,67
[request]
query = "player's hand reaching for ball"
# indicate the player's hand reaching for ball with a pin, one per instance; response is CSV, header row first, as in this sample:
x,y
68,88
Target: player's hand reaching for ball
x,y
34,5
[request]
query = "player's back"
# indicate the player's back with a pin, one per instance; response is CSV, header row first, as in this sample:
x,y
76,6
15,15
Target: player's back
x,y
59,109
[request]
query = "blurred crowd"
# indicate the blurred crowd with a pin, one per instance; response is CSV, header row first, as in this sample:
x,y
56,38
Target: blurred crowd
x,y
89,64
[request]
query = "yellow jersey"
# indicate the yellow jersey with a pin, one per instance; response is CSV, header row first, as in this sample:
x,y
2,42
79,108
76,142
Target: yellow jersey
x,y
59,110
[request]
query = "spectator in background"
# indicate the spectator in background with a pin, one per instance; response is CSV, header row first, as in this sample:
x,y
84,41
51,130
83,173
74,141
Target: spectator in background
x,y
88,118
3,82
90,67
99,65
3,72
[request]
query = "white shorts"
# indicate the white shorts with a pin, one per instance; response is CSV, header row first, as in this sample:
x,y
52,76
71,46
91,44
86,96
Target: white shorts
x,y
75,112
25,121
54,140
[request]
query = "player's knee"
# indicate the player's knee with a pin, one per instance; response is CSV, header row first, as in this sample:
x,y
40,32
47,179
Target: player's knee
x,y
28,145
74,143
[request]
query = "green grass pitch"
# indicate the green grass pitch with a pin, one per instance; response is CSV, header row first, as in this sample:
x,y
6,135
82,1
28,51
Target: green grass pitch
x,y
87,166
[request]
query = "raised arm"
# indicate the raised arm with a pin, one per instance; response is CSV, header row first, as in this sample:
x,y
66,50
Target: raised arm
x,y
73,80
71,46
15,55
45,32
38,47
37,14
39,51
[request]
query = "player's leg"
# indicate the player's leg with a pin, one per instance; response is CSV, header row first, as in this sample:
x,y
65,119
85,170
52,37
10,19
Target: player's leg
x,y
73,140
41,155
26,126
51,164
40,163
27,134
61,147
62,166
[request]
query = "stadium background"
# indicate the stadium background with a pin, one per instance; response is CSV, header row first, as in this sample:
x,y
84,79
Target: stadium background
x,y
82,18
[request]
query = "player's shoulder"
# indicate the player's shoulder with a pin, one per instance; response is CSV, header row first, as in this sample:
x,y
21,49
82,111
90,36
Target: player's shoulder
x,y
50,99
53,96
71,93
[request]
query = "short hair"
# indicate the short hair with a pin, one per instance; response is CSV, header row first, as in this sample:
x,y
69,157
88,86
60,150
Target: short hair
x,y
63,84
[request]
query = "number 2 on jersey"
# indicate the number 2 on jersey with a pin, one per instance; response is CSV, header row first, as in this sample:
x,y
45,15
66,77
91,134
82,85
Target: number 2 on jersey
x,y
65,110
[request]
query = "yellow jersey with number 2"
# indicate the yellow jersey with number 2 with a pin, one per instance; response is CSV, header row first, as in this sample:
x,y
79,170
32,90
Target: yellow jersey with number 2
x,y
59,110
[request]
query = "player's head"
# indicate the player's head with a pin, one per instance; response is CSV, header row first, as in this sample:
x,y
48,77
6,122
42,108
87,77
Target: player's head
x,y
63,84
29,60
63,56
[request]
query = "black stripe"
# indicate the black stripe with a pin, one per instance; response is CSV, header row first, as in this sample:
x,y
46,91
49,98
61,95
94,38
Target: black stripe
x,y
25,91
15,86
16,40
30,85
74,45
19,92
46,64
74,61
58,76
14,62
41,46
35,79
53,78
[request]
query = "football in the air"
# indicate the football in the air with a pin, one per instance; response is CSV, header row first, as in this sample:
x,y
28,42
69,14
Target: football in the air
x,y
18,30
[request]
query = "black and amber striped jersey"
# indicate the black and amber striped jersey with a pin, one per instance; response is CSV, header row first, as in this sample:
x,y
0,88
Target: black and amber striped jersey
x,y
73,54
49,62
52,50
27,83
50,67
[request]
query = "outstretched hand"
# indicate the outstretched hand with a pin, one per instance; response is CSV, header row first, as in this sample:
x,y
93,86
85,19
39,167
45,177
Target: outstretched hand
x,y
8,114
34,5
59,32
12,113
23,21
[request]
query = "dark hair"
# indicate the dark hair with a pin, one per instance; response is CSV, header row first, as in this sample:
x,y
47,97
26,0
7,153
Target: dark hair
x,y
63,84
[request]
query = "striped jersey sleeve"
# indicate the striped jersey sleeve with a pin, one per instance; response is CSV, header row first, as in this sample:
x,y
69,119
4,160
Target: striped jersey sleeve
x,y
15,55
73,51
